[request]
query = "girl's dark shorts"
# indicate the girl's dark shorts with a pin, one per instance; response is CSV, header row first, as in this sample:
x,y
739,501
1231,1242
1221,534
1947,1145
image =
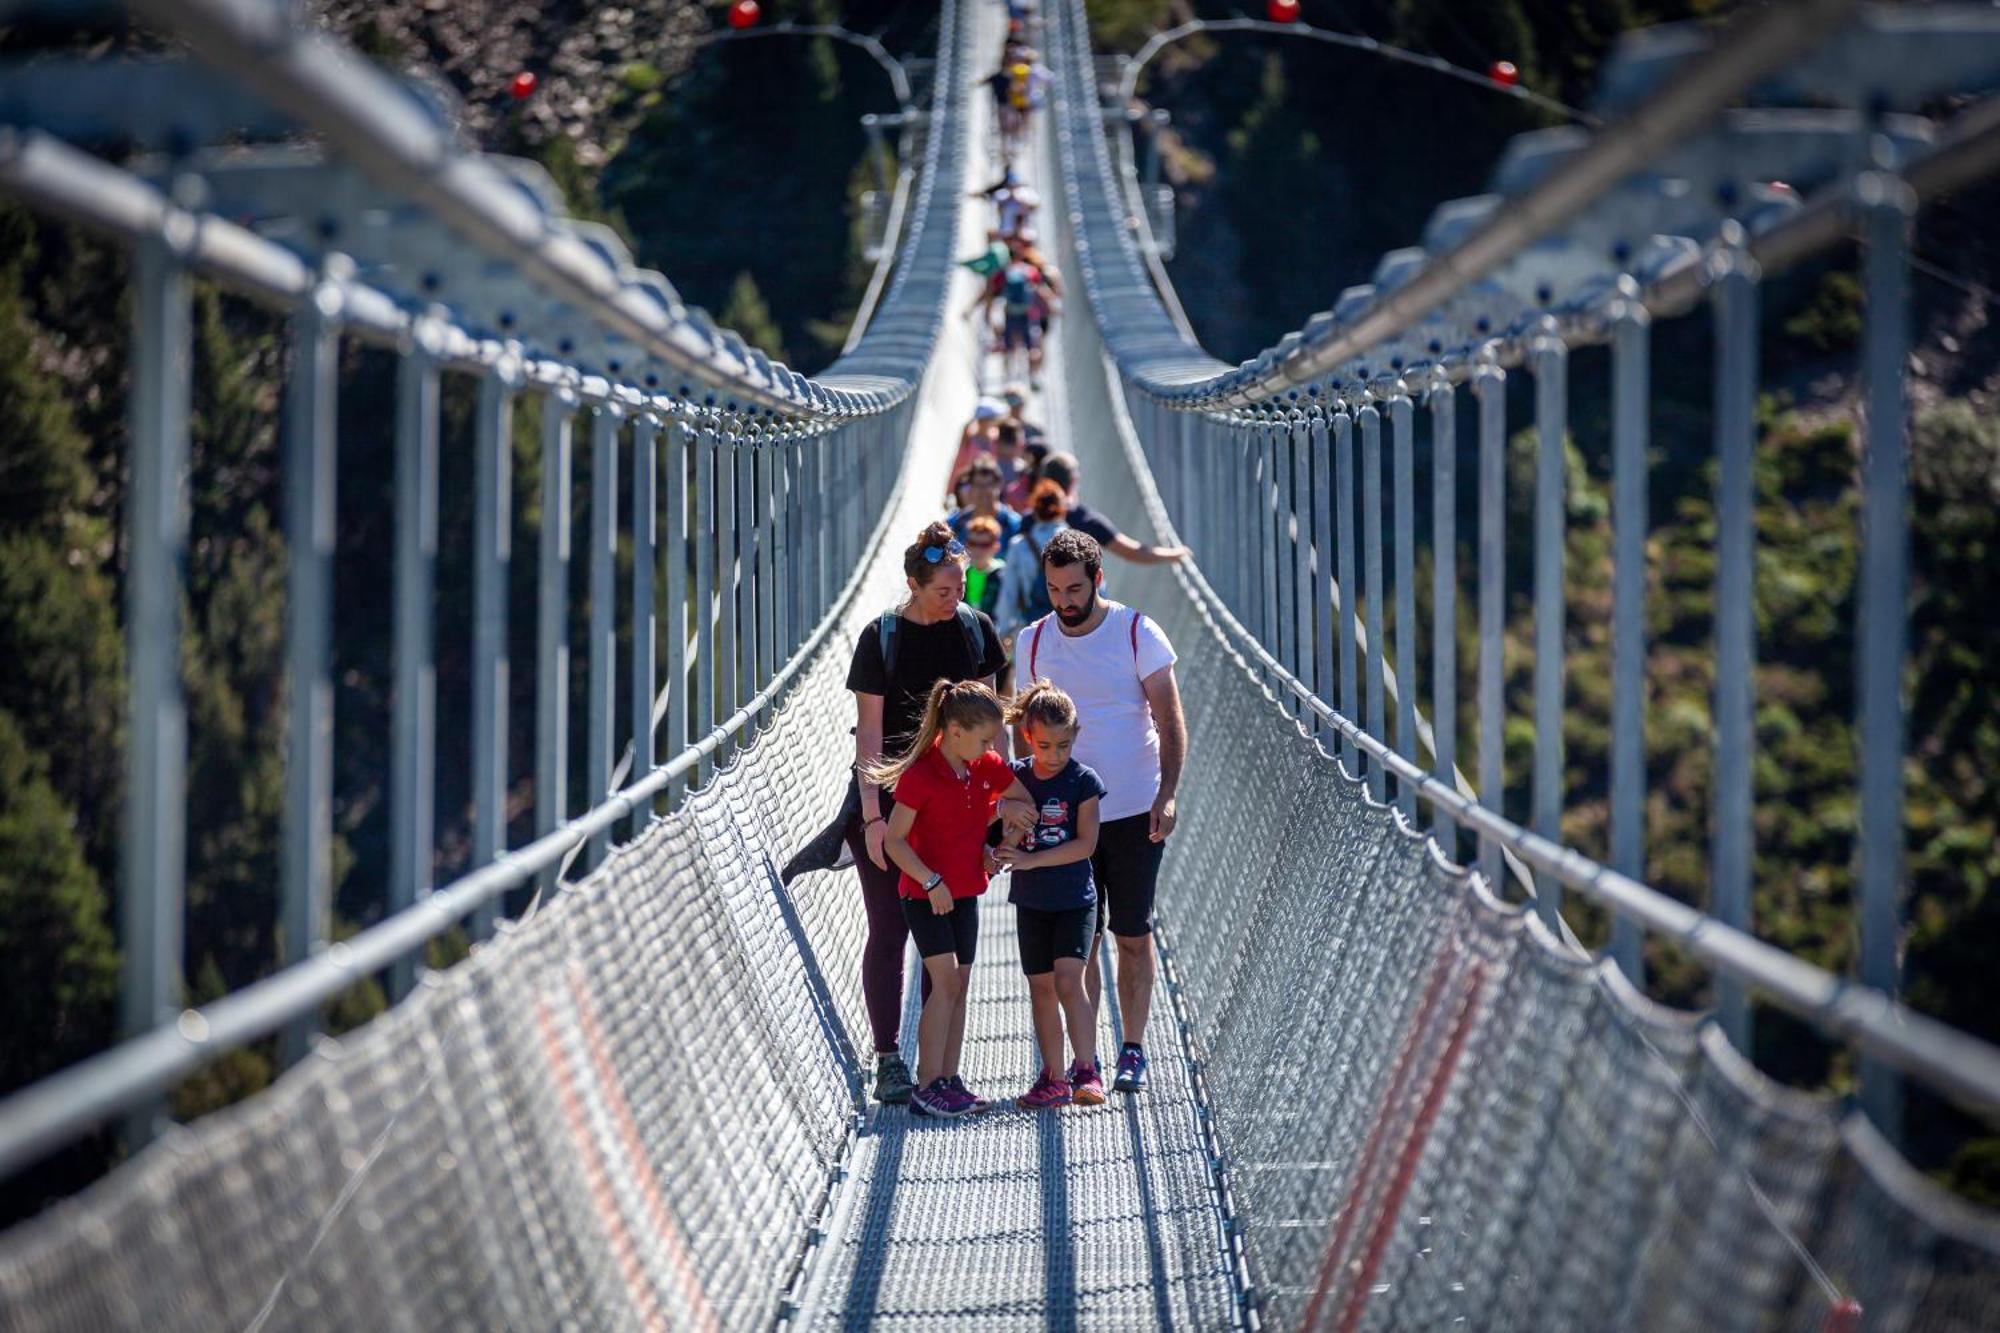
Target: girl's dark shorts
x,y
1047,936
957,931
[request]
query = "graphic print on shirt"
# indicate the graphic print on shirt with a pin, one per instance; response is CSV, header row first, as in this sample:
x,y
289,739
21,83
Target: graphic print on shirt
x,y
1054,827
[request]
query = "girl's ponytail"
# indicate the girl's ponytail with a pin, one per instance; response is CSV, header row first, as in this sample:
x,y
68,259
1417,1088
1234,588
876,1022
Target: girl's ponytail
x,y
1044,704
963,703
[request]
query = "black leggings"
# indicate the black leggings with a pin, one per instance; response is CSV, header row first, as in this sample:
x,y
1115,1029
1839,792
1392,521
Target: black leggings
x,y
882,955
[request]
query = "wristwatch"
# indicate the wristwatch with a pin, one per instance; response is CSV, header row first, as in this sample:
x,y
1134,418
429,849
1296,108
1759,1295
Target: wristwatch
x,y
936,879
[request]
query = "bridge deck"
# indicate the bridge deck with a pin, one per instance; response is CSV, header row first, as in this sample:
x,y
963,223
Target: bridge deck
x,y
1087,1217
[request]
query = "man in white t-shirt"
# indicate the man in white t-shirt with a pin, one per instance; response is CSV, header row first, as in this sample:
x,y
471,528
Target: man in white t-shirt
x,y
1119,668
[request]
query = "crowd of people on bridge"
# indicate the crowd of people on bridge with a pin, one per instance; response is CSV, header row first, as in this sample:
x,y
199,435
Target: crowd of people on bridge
x,y
1011,718
1078,819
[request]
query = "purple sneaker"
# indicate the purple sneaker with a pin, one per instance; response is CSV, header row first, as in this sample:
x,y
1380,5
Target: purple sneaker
x,y
968,1103
1131,1070
936,1099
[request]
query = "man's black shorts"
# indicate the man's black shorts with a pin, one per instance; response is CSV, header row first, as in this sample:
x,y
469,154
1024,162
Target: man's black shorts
x,y
1047,936
1126,866
957,931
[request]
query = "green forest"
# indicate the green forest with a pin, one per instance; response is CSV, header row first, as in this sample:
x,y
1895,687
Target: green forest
x,y
1292,179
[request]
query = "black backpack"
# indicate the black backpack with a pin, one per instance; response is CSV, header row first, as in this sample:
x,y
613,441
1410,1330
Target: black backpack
x,y
888,632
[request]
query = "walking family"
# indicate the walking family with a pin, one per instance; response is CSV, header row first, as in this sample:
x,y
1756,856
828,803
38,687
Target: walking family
x,y
1079,820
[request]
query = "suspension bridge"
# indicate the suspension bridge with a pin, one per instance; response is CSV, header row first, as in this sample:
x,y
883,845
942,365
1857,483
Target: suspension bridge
x,y
641,1103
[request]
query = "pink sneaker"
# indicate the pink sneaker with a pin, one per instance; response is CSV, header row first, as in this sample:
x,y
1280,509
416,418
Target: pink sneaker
x,y
1048,1093
1086,1084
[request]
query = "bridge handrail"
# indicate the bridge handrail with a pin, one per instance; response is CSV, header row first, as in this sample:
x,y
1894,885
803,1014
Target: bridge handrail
x,y
791,437
1955,1063
1246,455
1186,378
372,122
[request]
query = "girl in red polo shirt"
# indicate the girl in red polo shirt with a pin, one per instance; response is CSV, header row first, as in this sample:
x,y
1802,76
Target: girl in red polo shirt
x,y
948,787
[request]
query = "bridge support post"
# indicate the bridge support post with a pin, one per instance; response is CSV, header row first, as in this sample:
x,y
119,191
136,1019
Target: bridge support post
x,y
1270,576
307,909
1245,557
552,625
705,547
769,451
645,558
1299,518
1631,391
601,748
493,544
1888,206
154,870
749,571
1442,401
413,776
1735,276
1282,583
784,617
1489,386
679,438
723,670
1402,420
1324,593
1371,559
1550,358
1343,485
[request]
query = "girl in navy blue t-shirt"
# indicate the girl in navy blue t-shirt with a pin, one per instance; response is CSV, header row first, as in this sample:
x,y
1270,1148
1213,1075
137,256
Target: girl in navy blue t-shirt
x,y
1054,895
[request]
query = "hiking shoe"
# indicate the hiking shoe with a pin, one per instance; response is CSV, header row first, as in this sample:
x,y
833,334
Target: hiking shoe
x,y
893,1084
1086,1084
964,1097
1131,1070
1048,1093
935,1099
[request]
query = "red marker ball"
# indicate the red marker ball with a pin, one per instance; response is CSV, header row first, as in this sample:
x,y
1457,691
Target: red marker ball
x,y
523,86
745,13
1503,73
1283,11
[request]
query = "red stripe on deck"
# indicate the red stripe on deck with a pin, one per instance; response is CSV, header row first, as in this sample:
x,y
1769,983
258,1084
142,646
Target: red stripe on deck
x,y
1364,1168
1412,1156
663,1223
602,1196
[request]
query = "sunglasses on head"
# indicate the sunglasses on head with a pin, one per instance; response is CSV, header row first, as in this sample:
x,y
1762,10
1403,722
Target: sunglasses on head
x,y
933,554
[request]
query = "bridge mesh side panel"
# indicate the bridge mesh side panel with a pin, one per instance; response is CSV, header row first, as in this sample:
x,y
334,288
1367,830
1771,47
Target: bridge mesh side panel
x,y
1429,1113
628,1105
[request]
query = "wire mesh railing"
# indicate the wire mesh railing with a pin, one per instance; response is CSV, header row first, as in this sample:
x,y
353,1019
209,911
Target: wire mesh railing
x,y
1429,1108
1295,473
751,493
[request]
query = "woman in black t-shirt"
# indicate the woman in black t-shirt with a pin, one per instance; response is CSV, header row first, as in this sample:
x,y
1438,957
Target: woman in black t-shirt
x,y
928,639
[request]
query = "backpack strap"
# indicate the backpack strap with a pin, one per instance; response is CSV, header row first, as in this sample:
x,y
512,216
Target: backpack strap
x,y
885,637
1035,643
975,637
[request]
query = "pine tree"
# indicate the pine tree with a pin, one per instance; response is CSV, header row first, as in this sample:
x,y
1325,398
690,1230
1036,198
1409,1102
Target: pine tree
x,y
748,315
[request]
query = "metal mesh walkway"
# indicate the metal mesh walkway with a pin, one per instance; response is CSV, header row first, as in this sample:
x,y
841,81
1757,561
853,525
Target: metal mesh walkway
x,y
1392,1100
1089,1217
